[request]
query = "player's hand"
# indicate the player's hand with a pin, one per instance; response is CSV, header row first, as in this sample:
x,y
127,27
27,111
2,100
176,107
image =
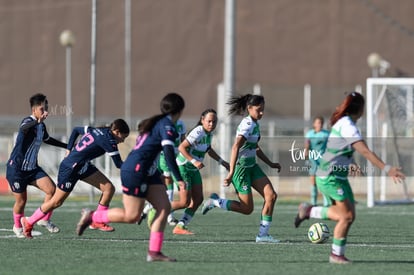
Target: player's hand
x,y
198,164
227,180
396,174
43,117
277,166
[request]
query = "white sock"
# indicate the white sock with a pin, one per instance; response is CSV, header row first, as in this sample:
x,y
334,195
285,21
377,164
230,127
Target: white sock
x,y
264,228
316,212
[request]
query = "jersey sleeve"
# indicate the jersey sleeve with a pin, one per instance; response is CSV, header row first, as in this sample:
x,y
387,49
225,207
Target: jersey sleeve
x,y
194,135
75,133
244,128
351,133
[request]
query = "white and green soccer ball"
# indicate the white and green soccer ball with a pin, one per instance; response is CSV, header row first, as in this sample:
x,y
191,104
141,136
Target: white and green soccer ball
x,y
318,233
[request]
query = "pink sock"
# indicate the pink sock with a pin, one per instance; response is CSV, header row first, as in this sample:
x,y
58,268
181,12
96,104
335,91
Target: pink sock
x,y
101,207
100,216
48,215
16,218
155,241
36,216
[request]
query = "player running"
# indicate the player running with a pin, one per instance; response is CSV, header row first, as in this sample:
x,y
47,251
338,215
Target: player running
x,y
333,170
77,166
141,180
23,168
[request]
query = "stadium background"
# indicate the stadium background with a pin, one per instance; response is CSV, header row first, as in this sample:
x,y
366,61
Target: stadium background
x,y
177,45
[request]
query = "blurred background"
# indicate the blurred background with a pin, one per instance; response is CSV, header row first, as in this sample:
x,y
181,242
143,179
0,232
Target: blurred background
x,y
118,58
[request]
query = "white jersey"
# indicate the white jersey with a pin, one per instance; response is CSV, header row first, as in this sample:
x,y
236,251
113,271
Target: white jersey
x,y
250,130
339,151
200,142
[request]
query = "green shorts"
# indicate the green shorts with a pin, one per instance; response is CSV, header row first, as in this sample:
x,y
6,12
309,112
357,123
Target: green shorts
x,y
191,175
163,167
334,188
244,176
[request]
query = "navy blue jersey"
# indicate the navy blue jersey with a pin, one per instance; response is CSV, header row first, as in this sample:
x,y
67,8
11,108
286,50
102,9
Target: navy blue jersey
x,y
26,149
94,143
143,156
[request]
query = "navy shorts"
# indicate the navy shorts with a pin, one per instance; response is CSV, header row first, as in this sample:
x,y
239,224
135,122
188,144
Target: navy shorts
x,y
19,180
68,176
136,183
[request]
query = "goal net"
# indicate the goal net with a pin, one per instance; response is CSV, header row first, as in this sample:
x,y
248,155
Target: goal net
x,y
390,134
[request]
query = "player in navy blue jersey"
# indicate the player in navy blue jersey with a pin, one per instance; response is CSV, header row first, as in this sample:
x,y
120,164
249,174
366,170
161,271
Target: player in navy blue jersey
x,y
77,166
141,179
23,168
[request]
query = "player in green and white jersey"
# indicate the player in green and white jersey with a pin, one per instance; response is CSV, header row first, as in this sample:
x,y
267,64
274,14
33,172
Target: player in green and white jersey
x,y
190,160
244,172
332,174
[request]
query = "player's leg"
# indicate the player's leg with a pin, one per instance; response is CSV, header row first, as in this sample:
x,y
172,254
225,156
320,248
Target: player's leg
x,y
157,196
100,181
42,212
46,184
18,186
264,187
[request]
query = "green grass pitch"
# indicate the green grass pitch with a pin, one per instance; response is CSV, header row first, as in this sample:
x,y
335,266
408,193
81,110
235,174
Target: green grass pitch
x,y
381,241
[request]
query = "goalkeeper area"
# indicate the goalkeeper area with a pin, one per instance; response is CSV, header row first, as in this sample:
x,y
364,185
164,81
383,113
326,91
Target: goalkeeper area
x,y
390,134
379,242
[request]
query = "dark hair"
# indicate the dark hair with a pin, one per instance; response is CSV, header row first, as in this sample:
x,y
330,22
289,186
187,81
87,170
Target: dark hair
x,y
238,104
353,103
319,118
37,99
171,104
204,113
120,125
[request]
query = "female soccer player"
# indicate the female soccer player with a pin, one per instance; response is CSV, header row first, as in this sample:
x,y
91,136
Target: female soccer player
x,y
77,166
244,172
166,176
333,170
315,145
22,167
141,180
190,161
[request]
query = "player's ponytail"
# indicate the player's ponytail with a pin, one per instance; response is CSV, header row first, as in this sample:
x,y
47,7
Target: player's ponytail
x,y
352,104
171,104
238,104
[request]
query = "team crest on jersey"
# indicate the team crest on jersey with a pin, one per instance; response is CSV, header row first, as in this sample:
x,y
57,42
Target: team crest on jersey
x,y
340,191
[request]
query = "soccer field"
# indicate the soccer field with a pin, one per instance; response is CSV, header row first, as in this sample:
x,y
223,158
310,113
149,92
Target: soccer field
x,y
381,241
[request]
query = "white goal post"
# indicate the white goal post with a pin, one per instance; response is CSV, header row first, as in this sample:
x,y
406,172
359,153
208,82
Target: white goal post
x,y
389,133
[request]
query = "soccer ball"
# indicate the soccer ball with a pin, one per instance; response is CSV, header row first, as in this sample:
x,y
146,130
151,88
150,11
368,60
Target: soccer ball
x,y
318,233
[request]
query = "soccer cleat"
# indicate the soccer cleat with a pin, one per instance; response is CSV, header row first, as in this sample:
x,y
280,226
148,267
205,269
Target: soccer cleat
x,y
158,257
266,239
101,226
180,229
172,220
51,227
303,213
150,217
338,259
209,204
85,221
18,231
27,228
